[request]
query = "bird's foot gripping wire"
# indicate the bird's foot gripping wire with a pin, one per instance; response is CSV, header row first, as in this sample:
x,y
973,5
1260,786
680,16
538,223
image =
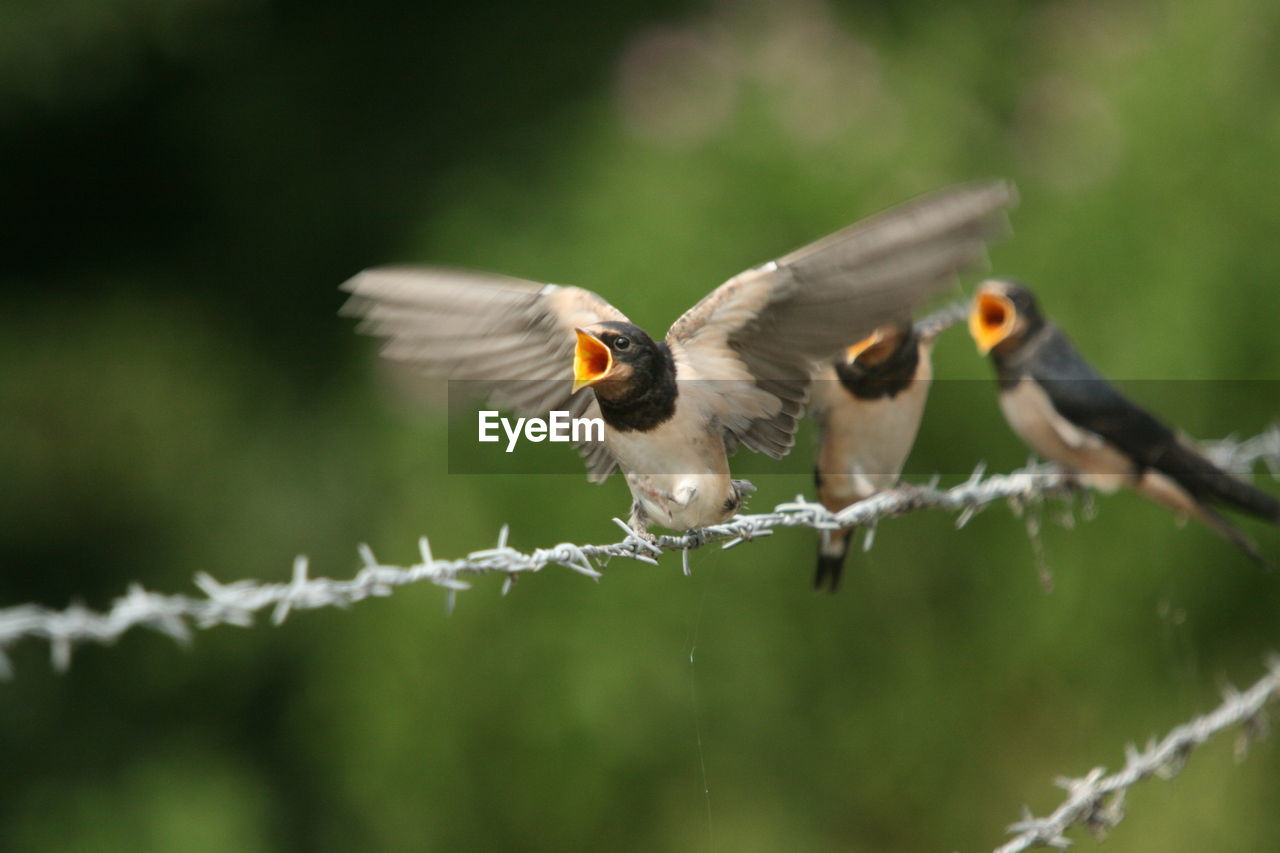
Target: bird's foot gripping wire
x,y
915,494
642,543
741,490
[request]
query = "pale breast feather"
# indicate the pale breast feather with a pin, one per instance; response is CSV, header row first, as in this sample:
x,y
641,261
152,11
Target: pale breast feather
x,y
1032,416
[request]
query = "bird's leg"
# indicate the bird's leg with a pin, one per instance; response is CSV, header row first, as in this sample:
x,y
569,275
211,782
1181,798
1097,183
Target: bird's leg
x,y
741,488
642,544
1073,481
639,523
910,491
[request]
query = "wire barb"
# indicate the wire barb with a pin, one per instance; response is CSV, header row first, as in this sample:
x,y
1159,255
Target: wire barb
x,y
1096,801
237,603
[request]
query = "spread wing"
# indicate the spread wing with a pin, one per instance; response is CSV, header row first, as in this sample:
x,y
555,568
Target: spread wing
x,y
513,339
760,335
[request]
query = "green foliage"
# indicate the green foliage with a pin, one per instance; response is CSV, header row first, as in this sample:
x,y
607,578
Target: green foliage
x,y
179,396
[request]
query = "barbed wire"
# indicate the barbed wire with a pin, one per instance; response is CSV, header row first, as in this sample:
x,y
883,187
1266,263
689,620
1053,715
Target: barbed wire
x,y
238,602
1096,800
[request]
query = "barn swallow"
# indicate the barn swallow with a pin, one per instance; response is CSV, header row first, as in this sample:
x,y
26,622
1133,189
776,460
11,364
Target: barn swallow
x,y
868,404
735,369
1068,413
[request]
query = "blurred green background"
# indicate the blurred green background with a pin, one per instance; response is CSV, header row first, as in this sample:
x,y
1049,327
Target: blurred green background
x,y
186,182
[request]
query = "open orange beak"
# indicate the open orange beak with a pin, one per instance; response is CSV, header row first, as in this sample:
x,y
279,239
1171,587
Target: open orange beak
x,y
851,354
991,320
592,360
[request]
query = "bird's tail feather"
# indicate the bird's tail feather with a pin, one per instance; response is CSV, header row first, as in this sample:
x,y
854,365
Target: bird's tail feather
x,y
1207,482
1177,495
832,548
1231,533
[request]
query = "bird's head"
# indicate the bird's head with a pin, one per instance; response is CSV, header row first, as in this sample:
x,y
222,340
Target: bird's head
x,y
879,346
1004,314
612,357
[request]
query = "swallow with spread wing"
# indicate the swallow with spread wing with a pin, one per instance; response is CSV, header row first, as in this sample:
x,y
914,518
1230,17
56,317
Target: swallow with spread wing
x,y
734,369
868,404
1068,413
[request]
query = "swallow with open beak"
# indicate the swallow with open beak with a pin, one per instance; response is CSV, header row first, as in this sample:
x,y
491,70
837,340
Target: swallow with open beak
x,y
735,369
1068,413
868,404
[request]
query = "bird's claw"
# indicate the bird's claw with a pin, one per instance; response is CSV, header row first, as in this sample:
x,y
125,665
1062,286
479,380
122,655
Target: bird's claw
x,y
642,542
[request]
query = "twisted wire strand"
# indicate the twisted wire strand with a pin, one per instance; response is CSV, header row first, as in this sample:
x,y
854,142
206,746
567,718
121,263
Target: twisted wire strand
x,y
237,603
1096,800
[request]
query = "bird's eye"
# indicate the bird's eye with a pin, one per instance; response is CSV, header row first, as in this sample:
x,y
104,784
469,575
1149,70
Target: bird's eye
x,y
620,343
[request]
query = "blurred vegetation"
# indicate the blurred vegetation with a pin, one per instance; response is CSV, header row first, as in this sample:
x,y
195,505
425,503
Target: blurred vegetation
x,y
188,182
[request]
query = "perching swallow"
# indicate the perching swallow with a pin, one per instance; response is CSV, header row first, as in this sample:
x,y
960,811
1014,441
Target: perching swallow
x,y
1068,413
868,404
868,407
735,369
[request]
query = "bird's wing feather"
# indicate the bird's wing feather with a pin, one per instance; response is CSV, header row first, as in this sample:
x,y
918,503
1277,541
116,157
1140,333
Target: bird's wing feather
x,y
756,340
1083,397
514,339
1088,402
